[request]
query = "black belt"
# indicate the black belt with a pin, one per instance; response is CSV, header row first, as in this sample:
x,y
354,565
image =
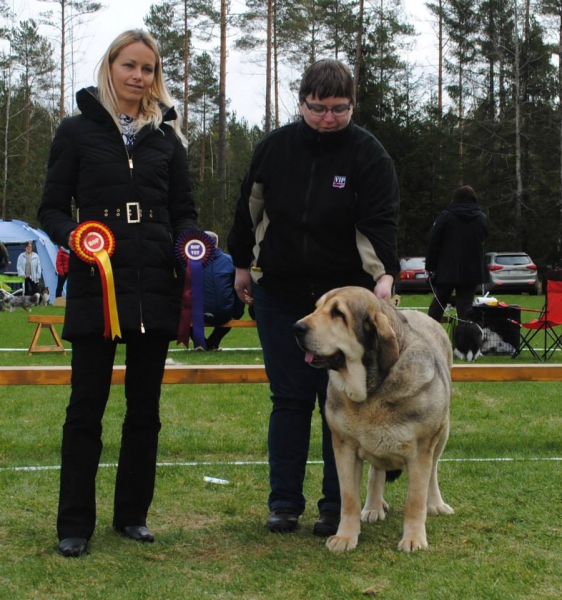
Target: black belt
x,y
131,212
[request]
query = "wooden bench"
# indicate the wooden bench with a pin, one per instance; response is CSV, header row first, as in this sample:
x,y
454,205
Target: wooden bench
x,y
49,322
197,374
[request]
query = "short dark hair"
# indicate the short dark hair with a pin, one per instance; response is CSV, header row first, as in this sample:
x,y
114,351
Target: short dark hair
x,y
326,78
464,194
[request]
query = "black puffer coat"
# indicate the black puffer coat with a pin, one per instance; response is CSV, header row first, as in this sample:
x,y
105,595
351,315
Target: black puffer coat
x,y
89,165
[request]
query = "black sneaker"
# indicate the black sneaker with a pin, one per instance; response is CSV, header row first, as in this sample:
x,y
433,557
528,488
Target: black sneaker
x,y
327,524
282,520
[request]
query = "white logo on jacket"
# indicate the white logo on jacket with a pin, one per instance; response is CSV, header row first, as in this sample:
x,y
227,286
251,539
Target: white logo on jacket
x,y
339,181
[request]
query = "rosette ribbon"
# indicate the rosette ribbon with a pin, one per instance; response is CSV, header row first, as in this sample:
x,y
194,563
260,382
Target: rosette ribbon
x,y
94,242
194,250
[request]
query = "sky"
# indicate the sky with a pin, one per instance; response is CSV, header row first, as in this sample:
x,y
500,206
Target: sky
x,y
244,80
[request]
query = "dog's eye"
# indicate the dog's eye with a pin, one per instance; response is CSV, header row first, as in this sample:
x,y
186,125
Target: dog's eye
x,y
337,314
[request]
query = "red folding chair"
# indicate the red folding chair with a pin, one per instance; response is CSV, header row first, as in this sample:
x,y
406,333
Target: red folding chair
x,y
548,320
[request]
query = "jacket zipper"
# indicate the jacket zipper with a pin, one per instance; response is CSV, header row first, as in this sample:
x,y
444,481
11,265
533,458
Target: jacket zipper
x,y
305,217
131,166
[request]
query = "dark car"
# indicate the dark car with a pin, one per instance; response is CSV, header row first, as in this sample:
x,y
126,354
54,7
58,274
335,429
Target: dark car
x,y
413,278
553,272
511,273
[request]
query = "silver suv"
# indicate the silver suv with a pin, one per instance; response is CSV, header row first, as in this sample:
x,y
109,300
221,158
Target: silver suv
x,y
511,273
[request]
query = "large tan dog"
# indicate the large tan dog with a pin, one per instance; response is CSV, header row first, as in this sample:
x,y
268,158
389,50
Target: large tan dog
x,y
388,404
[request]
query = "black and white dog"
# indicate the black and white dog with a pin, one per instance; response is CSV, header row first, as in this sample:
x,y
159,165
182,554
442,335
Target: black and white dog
x,y
468,337
13,301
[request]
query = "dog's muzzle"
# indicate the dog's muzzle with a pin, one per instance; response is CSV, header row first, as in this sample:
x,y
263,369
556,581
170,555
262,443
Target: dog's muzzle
x,y
335,361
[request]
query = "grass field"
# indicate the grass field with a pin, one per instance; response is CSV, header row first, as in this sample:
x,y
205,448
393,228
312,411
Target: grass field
x,y
501,471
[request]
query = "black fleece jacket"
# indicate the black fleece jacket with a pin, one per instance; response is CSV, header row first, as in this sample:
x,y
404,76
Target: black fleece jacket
x,y
455,251
317,211
90,168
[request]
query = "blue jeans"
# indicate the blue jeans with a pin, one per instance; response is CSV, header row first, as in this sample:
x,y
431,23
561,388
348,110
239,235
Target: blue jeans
x,y
294,385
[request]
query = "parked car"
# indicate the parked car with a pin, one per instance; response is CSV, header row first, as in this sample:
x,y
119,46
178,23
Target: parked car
x,y
511,273
413,278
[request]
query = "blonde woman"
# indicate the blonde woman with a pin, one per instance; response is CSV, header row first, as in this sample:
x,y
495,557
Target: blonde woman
x,y
121,161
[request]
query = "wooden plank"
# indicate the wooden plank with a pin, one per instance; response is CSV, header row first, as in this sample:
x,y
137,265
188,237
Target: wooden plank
x,y
506,372
236,323
197,374
49,321
59,319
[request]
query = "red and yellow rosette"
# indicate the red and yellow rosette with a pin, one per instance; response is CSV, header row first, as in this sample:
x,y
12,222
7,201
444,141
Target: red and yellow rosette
x,y
94,242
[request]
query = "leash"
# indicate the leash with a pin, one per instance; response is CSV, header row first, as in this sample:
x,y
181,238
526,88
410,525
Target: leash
x,y
446,311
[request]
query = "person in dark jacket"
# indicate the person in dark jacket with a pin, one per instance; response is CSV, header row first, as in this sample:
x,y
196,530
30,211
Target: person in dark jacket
x,y
455,253
4,257
62,269
318,210
122,161
221,304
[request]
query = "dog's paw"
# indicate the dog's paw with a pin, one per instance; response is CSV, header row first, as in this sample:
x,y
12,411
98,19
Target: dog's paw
x,y
375,513
439,509
411,544
337,543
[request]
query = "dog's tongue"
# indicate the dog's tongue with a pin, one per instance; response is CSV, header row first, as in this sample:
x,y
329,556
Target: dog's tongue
x,y
308,357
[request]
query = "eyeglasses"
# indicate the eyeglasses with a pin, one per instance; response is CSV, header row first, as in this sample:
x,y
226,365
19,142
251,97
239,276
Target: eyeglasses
x,y
319,110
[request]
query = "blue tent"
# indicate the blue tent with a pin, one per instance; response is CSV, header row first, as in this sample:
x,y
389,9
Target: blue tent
x,y
16,233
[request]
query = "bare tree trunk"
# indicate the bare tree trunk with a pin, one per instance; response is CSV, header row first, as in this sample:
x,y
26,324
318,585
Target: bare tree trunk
x,y
203,148
185,72
440,65
461,125
222,110
27,119
359,48
6,145
559,240
381,55
268,52
62,112
275,64
518,171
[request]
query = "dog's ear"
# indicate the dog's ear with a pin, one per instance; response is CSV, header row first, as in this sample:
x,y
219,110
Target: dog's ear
x,y
388,349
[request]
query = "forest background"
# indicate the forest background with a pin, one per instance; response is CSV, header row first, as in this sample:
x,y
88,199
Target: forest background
x,y
490,116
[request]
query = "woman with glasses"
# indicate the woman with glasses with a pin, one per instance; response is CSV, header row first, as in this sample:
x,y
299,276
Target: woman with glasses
x,y
318,210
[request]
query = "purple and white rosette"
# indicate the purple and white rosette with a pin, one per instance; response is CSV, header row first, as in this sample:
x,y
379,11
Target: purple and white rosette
x,y
194,250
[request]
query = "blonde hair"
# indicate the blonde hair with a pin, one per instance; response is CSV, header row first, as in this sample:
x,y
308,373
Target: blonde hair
x,y
150,112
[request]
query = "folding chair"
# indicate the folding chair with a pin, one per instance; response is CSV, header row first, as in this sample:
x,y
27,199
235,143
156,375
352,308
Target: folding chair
x,y
550,317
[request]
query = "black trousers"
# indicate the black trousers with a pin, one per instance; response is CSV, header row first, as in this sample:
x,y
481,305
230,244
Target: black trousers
x,y
30,287
61,279
92,365
464,293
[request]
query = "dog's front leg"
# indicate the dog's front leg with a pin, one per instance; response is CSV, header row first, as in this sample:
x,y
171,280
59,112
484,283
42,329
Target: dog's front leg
x,y
419,472
435,503
350,468
375,508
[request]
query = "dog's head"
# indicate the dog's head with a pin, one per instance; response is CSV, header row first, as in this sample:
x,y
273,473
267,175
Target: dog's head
x,y
350,333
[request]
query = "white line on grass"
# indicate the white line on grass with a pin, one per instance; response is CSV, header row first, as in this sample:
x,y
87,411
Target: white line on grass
x,y
238,463
169,349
